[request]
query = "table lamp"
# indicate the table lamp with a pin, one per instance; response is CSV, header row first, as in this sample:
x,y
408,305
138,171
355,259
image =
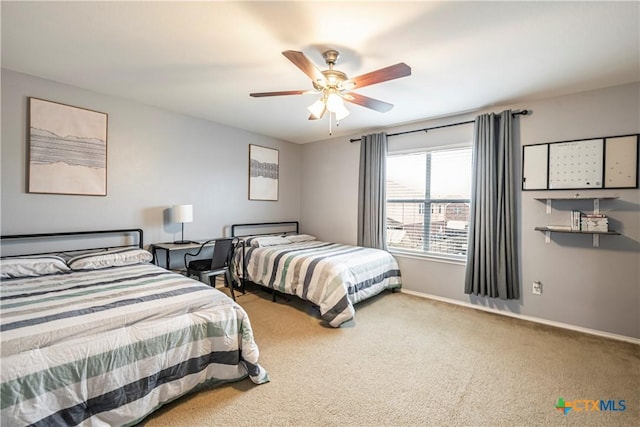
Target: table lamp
x,y
182,214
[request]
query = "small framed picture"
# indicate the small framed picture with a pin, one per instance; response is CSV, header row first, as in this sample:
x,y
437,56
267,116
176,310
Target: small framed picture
x,y
67,149
263,173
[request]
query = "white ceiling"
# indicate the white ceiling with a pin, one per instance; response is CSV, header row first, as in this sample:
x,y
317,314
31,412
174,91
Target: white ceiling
x,y
204,58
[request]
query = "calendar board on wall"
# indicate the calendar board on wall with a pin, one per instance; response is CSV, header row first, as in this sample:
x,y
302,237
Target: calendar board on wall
x,y
576,164
606,162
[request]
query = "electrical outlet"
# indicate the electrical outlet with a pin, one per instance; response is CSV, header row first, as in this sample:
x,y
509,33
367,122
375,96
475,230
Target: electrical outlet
x,y
537,288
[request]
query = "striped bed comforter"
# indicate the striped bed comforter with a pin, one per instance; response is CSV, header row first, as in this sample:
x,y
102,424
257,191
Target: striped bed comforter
x,y
330,275
107,347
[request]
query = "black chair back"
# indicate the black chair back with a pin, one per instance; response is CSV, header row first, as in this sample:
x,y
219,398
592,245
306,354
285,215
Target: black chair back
x,y
221,254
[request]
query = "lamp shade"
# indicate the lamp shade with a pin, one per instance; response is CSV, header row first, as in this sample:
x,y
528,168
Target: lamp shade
x,y
335,103
317,108
341,113
182,213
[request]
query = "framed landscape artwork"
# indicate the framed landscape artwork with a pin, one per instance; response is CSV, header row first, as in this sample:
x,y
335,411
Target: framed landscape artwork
x,y
263,173
67,149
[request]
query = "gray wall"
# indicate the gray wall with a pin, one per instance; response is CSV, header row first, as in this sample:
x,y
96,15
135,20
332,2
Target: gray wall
x,y
586,287
156,158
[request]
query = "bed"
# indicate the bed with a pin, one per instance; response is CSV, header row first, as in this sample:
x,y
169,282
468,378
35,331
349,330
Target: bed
x,y
106,337
330,275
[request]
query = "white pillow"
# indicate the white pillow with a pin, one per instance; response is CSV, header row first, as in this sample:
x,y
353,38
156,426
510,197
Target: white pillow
x,y
296,238
31,266
261,242
112,258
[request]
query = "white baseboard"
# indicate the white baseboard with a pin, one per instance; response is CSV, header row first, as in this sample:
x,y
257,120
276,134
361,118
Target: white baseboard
x,y
527,318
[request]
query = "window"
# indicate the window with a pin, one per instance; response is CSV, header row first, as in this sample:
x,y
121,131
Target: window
x,y
428,196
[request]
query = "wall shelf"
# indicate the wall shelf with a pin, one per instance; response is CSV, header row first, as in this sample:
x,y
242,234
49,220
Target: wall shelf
x,y
596,200
547,230
556,230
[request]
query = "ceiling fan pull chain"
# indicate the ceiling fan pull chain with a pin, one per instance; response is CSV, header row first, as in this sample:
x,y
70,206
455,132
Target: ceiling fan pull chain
x,y
330,132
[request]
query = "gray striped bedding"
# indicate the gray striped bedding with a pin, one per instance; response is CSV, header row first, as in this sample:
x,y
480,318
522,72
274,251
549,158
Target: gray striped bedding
x,y
107,347
330,275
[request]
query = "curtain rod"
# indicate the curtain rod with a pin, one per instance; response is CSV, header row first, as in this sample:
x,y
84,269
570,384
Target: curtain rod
x,y
516,113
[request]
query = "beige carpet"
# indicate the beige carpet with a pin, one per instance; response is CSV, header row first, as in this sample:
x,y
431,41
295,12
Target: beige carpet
x,y
410,361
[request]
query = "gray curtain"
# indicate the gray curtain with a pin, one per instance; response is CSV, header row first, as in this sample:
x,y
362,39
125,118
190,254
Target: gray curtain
x,y
371,192
492,259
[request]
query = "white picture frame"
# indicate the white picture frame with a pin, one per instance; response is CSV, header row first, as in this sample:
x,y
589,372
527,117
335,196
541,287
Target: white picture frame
x,y
67,149
264,173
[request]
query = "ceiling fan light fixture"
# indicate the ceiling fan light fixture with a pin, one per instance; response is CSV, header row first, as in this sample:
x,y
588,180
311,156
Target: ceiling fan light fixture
x,y
317,108
333,86
335,103
341,114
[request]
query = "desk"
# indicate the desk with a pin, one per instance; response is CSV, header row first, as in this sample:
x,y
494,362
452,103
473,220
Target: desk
x,y
172,247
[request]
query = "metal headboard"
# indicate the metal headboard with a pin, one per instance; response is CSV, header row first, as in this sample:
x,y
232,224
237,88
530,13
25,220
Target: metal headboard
x,y
260,229
71,241
265,228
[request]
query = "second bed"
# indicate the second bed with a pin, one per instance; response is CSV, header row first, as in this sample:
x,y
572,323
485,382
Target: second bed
x,y
331,275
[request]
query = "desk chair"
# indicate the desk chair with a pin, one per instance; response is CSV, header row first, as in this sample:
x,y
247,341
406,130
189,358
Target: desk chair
x,y
217,265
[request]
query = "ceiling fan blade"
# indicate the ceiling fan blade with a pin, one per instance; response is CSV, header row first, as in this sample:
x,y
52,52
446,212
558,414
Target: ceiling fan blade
x,y
382,75
365,101
307,67
284,92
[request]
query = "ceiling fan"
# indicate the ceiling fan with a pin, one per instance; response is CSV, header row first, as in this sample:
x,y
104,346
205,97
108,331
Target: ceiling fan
x,y
335,87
